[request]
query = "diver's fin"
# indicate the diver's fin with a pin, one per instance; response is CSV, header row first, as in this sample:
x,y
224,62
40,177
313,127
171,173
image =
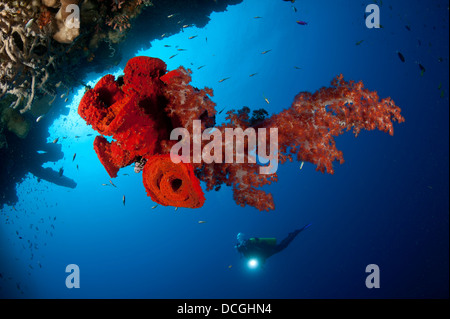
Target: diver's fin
x,y
304,227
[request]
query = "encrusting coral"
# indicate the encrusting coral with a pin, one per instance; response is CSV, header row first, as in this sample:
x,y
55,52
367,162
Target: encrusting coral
x,y
36,43
24,57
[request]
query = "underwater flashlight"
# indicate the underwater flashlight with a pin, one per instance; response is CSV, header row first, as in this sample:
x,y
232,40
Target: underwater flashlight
x,y
253,263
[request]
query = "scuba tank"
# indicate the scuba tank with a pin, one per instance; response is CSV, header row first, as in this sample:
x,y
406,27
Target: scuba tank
x,y
267,241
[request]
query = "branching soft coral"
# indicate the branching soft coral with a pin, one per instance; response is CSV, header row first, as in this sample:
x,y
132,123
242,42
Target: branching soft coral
x,y
307,129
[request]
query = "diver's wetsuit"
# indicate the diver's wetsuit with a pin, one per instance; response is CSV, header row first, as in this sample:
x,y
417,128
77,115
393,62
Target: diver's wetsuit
x,y
263,250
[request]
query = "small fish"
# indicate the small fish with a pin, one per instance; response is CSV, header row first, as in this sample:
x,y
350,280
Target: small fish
x,y
359,42
172,15
186,26
63,95
77,136
297,68
77,167
400,56
55,140
105,184
201,67
222,110
176,208
257,17
253,74
193,37
167,45
224,79
125,174
294,9
265,99
181,50
90,134
440,86
301,165
29,23
123,200
41,152
173,56
66,99
74,155
301,22
153,207
422,69
408,27
61,172
201,221
58,84
267,51
39,118
112,183
230,266
163,35
442,93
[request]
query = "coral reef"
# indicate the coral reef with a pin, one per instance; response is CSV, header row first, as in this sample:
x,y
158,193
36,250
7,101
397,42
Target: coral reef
x,y
38,52
35,41
38,73
142,107
24,57
133,111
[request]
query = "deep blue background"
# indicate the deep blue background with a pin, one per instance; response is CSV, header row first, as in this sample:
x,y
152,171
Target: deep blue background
x,y
388,203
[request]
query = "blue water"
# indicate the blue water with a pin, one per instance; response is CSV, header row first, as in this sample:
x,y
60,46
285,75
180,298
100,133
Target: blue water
x,y
388,204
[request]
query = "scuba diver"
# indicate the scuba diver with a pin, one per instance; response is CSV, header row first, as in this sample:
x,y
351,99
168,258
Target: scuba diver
x,y
259,249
